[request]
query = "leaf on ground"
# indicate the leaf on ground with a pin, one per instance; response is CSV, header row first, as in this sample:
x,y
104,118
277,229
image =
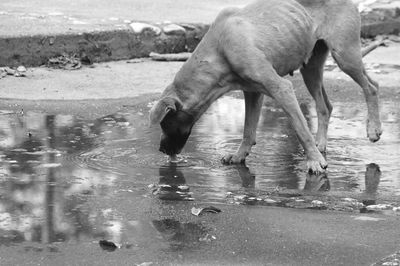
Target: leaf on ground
x,y
200,211
108,245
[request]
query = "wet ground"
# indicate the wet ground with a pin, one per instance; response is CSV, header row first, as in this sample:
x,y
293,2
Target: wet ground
x,y
69,179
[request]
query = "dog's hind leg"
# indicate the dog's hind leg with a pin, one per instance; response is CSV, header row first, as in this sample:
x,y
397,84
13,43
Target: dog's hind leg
x,y
349,60
259,73
313,74
253,102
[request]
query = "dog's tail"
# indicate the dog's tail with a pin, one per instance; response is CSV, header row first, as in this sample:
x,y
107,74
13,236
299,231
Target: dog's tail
x,y
379,41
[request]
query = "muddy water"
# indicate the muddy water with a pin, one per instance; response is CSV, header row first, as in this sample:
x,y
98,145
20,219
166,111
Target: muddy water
x,y
63,177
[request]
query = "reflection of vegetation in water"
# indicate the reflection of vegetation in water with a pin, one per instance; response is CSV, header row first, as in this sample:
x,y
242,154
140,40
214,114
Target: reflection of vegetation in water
x,y
41,201
47,197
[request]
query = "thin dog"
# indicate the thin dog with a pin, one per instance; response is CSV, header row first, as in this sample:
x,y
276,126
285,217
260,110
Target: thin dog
x,y
252,49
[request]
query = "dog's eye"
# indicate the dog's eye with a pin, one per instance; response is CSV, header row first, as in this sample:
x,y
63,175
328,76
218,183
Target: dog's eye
x,y
177,123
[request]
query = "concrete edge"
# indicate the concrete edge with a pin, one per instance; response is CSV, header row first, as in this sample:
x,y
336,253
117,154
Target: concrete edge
x,y
139,39
380,21
136,41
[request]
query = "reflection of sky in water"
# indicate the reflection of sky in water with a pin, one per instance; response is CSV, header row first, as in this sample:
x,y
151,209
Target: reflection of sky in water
x,y
64,178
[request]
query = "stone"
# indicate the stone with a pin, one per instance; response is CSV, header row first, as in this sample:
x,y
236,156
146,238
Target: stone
x,y
173,29
139,27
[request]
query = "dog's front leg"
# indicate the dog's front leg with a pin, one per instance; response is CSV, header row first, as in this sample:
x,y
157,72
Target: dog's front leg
x,y
259,73
253,102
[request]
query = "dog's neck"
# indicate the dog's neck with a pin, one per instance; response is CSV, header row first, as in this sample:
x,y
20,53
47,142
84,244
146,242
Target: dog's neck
x,y
201,81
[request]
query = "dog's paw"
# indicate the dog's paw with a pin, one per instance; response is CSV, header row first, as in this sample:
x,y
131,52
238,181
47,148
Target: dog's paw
x,y
374,131
374,134
233,159
317,166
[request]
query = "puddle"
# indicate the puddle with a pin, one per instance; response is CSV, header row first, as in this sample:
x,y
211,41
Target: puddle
x,y
64,178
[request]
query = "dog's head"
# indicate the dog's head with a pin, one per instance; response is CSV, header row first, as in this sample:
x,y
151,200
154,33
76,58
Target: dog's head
x,y
176,124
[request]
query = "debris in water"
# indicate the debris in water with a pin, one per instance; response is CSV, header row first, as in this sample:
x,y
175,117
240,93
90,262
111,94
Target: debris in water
x,y
200,211
176,159
390,263
277,189
183,187
50,165
207,238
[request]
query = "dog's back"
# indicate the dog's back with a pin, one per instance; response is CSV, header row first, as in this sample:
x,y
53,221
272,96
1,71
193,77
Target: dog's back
x,y
333,18
277,24
272,26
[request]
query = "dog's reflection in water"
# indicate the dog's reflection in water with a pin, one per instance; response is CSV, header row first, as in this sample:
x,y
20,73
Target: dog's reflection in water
x,y
172,184
317,182
314,182
372,179
248,178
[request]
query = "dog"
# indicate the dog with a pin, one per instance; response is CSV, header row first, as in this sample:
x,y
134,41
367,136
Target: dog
x,y
252,49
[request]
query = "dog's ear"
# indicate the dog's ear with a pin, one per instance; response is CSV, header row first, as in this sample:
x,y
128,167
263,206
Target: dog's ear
x,y
162,108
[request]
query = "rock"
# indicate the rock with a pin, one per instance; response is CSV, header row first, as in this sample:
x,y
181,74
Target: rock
x,y
349,199
378,207
394,38
3,73
20,72
139,27
9,71
317,203
239,197
270,201
21,69
173,29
